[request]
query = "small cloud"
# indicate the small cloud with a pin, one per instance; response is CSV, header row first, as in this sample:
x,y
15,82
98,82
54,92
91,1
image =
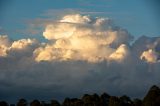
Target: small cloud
x,y
150,56
120,54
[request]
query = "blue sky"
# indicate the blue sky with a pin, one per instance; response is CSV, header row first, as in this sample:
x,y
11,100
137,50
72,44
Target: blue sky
x,y
139,17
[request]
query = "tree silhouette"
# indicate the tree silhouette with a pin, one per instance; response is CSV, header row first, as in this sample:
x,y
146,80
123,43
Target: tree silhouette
x,y
3,103
22,102
35,103
66,102
115,101
91,100
137,102
152,97
125,100
104,99
55,103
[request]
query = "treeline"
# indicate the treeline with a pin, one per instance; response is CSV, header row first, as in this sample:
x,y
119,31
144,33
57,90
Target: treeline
x,y
151,99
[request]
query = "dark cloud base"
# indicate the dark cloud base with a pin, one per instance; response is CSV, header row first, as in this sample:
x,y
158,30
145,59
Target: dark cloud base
x,y
72,79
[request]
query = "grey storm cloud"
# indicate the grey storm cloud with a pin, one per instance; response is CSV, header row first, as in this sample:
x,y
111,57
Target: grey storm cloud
x,y
82,54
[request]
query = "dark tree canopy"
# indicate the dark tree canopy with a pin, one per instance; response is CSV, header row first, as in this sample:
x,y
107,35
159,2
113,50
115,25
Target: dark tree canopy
x,y
35,103
3,103
55,103
22,102
152,98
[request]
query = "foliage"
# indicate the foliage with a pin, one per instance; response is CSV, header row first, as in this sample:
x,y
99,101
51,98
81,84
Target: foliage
x,y
151,99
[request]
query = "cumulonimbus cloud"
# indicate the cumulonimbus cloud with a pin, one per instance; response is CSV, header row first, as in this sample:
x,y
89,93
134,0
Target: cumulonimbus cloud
x,y
80,37
82,54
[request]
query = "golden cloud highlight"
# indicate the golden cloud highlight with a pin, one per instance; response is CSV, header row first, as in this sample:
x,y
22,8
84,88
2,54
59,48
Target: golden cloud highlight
x,y
77,37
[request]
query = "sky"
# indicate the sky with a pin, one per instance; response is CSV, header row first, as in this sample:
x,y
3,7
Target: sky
x,y
133,15
59,48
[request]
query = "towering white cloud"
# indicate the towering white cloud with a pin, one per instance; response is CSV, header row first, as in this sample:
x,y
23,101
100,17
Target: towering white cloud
x,y
78,37
81,54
